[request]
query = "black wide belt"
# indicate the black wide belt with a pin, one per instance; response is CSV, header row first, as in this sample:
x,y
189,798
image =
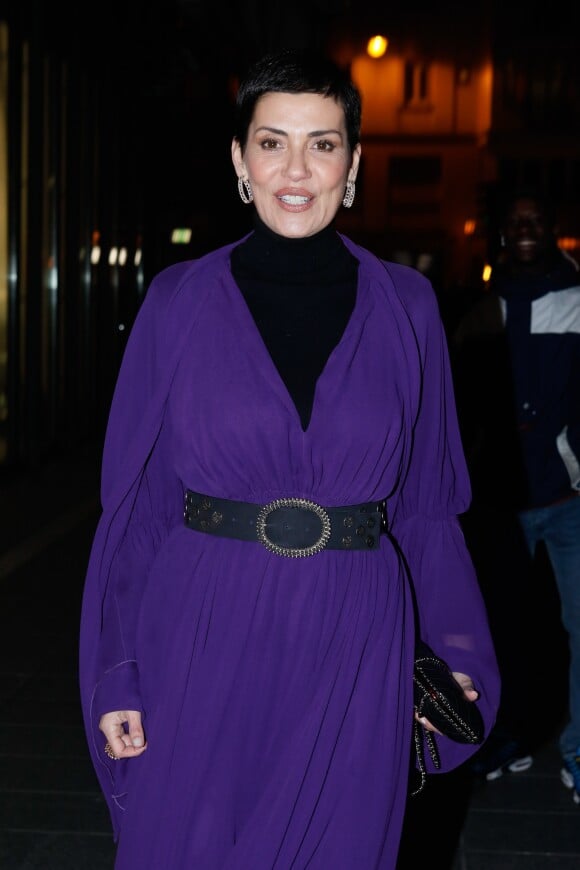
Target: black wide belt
x,y
288,526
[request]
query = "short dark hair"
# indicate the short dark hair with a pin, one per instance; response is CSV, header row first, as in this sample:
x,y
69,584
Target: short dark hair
x,y
294,71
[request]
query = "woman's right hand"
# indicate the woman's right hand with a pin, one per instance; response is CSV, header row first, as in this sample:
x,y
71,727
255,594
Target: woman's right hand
x,y
124,733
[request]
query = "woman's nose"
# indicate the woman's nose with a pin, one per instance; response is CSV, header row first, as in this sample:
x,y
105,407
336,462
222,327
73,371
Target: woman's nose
x,y
297,164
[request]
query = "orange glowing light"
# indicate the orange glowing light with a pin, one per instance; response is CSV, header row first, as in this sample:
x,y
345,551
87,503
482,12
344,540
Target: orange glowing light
x,y
486,274
568,243
469,227
377,46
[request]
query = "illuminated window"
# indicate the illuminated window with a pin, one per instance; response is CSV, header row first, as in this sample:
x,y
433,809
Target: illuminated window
x,y
415,82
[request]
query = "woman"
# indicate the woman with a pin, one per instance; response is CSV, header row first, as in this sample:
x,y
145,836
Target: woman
x,y
246,672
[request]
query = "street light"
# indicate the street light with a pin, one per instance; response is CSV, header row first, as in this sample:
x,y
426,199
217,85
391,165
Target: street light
x,y
377,46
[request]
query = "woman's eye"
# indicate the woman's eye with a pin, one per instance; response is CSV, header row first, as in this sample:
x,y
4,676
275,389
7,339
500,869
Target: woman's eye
x,y
324,145
269,144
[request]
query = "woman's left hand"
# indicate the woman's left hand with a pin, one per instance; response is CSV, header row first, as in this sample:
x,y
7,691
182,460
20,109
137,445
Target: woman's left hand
x,y
124,733
469,691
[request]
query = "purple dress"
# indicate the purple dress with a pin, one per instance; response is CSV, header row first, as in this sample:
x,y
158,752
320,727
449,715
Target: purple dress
x,y
276,692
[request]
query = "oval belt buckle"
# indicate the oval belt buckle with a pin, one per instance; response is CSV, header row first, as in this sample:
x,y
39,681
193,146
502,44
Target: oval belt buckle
x,y
304,503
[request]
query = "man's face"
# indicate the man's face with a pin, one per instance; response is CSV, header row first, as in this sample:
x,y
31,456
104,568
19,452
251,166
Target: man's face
x,y
528,235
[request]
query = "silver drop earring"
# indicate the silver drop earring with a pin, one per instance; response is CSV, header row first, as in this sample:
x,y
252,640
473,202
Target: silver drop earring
x,y
245,190
349,194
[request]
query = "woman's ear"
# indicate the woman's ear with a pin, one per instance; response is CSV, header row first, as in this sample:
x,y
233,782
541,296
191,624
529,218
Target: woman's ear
x,y
237,159
353,172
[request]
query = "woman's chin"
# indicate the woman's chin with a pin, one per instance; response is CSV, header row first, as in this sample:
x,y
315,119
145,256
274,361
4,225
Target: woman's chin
x,y
295,225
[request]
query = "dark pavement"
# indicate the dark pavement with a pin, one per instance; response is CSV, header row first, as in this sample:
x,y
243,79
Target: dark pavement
x,y
52,815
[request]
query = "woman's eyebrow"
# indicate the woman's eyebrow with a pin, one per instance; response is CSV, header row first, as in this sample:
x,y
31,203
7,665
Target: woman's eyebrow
x,y
313,134
325,132
271,130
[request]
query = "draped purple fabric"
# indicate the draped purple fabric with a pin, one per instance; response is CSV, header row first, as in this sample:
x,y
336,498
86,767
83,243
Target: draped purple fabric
x,y
276,693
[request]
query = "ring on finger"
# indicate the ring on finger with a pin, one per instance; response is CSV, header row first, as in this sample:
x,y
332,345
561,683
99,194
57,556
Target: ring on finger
x,y
110,753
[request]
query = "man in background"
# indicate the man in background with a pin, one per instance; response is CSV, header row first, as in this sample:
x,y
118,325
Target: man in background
x,y
517,368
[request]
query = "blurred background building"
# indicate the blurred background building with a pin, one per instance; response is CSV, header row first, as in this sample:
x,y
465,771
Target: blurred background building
x,y
115,129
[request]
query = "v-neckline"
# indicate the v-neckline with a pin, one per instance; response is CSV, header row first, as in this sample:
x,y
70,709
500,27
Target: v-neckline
x,y
252,334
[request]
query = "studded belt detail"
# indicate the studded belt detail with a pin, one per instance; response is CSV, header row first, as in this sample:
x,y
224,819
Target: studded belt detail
x,y
293,527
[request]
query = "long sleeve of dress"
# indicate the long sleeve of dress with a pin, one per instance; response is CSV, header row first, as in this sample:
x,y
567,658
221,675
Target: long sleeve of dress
x,y
157,508
151,504
140,500
451,615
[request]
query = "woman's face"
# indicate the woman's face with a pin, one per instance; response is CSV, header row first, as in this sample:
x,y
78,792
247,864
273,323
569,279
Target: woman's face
x,y
297,160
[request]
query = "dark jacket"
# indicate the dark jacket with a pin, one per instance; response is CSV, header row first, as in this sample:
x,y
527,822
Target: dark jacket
x,y
517,370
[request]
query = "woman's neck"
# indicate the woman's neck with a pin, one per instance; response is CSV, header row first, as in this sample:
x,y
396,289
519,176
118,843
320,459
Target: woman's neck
x,y
315,258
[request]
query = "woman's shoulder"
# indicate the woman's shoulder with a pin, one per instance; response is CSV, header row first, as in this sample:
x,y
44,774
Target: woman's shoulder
x,y
184,274
410,282
175,294
410,285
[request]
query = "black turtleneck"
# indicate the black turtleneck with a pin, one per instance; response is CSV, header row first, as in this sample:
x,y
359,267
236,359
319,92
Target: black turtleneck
x,y
301,293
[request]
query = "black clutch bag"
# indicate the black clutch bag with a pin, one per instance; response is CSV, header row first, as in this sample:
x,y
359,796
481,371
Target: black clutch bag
x,y
438,696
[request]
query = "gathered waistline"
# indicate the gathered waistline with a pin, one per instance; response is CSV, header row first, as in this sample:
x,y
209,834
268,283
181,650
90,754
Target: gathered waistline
x,y
294,527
